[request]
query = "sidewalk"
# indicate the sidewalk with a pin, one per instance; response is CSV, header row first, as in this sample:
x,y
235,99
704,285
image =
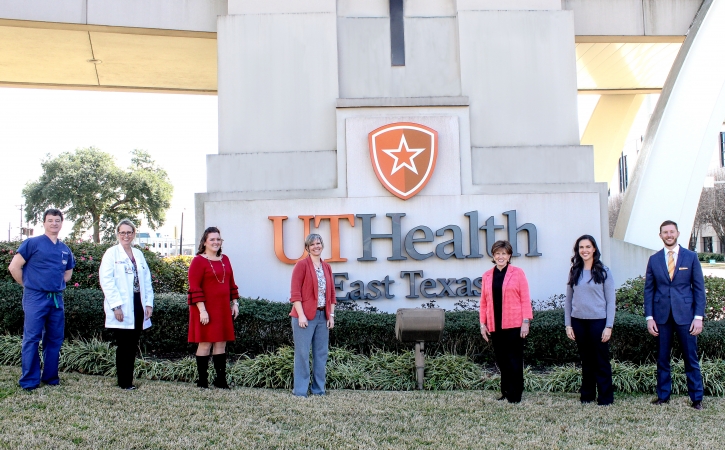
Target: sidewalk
x,y
714,270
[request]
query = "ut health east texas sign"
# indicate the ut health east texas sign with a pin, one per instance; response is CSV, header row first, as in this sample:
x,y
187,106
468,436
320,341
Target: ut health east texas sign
x,y
403,156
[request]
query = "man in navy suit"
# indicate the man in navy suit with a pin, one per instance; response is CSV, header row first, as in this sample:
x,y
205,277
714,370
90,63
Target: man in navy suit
x,y
674,302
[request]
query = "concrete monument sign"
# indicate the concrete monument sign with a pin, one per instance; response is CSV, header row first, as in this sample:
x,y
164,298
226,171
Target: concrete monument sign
x,y
410,158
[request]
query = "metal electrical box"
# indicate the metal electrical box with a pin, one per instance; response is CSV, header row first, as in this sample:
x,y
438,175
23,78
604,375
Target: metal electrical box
x,y
415,325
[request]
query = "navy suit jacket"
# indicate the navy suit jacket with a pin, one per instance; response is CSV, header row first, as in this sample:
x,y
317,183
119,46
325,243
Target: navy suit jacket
x,y
684,295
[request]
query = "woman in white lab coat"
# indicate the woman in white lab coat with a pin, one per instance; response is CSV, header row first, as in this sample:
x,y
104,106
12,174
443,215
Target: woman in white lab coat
x,y
129,298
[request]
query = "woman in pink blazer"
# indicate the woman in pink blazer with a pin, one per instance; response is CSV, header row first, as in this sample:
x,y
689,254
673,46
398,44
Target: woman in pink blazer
x,y
505,315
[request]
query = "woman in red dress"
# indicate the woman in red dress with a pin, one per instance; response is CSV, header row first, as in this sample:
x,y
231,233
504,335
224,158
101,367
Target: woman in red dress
x,y
211,289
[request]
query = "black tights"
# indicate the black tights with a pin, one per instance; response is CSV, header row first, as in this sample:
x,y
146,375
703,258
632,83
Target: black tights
x,y
127,342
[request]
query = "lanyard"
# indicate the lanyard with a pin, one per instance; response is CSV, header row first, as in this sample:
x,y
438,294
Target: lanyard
x,y
55,299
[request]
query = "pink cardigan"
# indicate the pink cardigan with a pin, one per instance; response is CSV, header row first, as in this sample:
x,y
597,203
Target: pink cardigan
x,y
516,302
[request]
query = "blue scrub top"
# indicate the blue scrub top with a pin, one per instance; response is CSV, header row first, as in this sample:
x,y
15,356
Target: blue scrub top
x,y
45,264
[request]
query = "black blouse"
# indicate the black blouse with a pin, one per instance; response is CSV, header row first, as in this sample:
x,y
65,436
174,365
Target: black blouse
x,y
497,288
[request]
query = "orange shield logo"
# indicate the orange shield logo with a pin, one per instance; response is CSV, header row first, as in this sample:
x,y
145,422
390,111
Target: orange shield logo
x,y
403,155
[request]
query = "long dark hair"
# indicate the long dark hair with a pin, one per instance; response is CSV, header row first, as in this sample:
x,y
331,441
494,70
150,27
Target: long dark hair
x,y
202,242
599,272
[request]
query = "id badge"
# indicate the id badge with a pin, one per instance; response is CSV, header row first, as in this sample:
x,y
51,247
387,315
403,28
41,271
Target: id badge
x,y
128,269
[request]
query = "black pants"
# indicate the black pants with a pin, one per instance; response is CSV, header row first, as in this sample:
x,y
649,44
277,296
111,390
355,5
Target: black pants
x,y
508,346
596,369
127,342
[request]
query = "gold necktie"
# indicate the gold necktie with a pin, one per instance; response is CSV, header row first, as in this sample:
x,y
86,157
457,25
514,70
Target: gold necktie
x,y
671,264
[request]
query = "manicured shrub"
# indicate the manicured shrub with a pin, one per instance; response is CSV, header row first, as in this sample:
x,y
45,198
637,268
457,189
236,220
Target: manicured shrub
x,y
706,257
715,293
168,274
630,297
83,311
264,327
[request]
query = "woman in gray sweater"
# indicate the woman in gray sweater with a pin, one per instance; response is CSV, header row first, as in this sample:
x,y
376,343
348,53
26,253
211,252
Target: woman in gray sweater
x,y
589,316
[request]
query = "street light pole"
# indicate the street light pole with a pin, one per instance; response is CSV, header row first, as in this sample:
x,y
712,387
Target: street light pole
x,y
21,222
181,235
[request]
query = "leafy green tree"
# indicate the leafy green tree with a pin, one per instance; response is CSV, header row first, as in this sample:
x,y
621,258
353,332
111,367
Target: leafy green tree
x,y
95,193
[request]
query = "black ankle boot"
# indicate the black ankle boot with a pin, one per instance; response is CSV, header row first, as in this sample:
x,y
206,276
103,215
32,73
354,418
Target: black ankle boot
x,y
220,366
202,366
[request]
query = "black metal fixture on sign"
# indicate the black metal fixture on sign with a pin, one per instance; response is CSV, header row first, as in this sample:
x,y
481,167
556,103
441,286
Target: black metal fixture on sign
x,y
397,33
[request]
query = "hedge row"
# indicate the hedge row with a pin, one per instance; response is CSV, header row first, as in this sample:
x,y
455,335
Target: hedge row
x,y
168,274
377,371
706,257
630,297
264,326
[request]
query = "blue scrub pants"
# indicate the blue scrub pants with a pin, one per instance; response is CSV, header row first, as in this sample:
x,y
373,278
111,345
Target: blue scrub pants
x,y
44,319
316,337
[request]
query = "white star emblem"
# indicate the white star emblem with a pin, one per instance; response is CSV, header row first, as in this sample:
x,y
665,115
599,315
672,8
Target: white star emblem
x,y
406,156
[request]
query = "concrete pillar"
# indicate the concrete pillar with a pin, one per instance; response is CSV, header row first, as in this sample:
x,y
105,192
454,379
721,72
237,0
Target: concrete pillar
x,y
608,129
519,71
278,86
668,178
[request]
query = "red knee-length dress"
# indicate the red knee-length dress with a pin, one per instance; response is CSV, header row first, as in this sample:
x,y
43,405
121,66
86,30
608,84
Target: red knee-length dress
x,y
211,282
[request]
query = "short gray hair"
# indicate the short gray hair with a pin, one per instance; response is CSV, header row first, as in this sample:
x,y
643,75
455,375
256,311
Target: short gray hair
x,y
311,238
126,222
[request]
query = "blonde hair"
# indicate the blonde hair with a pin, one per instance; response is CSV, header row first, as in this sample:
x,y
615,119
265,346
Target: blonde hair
x,y
311,238
126,222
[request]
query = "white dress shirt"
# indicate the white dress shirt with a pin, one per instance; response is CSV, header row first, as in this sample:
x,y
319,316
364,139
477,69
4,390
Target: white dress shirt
x,y
675,254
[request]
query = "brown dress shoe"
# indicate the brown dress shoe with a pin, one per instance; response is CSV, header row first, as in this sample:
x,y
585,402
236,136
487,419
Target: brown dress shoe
x,y
697,405
659,401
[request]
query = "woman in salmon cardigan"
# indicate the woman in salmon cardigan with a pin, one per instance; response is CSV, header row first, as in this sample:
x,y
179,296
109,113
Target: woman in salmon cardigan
x,y
505,315
313,316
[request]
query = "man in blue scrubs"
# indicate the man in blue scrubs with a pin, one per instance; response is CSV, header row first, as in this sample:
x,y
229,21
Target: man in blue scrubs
x,y
43,265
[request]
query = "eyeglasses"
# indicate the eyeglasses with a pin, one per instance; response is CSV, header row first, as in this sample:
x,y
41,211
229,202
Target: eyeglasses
x,y
126,233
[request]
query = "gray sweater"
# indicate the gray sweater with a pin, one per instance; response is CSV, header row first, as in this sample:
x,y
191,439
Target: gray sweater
x,y
588,300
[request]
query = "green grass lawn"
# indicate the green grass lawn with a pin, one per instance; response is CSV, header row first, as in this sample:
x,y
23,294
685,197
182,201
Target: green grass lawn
x,y
90,412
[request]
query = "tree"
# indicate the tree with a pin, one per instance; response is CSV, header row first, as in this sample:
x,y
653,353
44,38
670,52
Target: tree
x,y
716,205
711,209
701,216
95,193
614,205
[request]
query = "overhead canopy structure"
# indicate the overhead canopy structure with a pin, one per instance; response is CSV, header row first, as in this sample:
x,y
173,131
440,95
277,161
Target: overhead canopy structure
x,y
623,46
605,66
73,56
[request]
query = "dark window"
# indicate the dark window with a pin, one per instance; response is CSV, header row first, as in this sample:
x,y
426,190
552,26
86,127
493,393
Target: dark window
x,y
623,174
397,33
722,149
707,244
722,246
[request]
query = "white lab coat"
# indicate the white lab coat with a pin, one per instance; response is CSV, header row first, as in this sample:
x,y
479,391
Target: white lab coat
x,y
116,277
